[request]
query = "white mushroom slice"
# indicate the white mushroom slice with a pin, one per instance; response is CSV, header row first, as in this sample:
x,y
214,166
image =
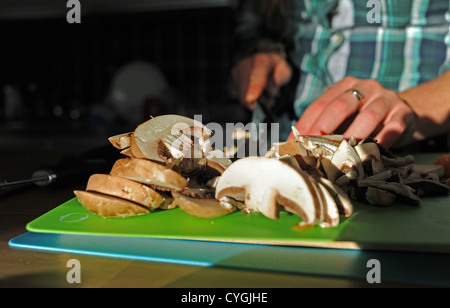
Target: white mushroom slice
x,y
290,160
295,132
163,137
121,141
202,208
343,201
370,156
321,146
329,207
147,172
344,161
265,183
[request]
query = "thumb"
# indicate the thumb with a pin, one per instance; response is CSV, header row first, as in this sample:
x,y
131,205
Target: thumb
x,y
281,73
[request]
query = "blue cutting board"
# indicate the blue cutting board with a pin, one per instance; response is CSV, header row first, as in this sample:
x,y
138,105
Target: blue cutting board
x,y
418,268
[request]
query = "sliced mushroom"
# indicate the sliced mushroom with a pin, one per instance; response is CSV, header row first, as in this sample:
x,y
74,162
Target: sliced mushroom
x,y
397,161
404,192
125,189
201,203
343,202
109,206
216,160
376,196
382,176
321,146
150,173
370,156
423,169
344,165
127,152
294,149
163,137
121,141
264,184
330,216
290,160
427,187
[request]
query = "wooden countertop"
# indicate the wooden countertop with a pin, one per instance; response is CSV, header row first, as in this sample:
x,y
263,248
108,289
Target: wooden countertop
x,y
25,268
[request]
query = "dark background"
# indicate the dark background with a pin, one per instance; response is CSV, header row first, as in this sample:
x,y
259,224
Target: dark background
x,y
59,75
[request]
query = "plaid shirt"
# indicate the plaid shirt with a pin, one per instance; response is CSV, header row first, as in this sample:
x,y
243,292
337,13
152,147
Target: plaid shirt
x,y
406,44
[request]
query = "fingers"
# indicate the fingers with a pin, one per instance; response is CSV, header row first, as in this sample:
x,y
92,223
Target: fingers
x,y
368,119
306,124
258,76
259,73
397,122
281,73
335,114
380,113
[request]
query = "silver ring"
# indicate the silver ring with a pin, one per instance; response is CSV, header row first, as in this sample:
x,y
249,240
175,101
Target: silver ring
x,y
358,95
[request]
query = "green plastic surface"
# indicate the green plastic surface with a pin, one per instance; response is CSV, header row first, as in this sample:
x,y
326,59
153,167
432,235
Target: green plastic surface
x,y
400,228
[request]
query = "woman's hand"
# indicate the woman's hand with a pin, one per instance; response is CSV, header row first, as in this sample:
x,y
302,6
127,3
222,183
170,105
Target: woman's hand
x,y
370,111
262,72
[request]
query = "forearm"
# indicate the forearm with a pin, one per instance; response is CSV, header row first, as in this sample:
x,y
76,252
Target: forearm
x,y
431,104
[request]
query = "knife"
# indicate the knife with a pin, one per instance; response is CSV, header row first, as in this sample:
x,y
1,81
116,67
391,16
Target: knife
x,y
40,178
69,170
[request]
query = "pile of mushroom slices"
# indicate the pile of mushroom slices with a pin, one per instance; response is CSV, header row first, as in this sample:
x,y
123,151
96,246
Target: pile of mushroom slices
x,y
367,172
316,177
168,162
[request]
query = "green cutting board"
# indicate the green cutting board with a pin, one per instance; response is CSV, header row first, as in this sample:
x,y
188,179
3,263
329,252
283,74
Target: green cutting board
x,y
402,227
399,228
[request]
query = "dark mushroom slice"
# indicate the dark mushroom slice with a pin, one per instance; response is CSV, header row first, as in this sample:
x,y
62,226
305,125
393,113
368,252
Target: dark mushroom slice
x,y
405,193
397,161
380,197
426,187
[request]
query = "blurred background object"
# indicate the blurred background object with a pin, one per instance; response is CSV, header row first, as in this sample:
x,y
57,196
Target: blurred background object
x,y
139,90
70,86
